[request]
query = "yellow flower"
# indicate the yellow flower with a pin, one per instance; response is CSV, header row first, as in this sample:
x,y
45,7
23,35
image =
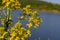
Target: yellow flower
x,y
3,1
26,35
17,38
31,19
24,9
34,14
12,0
41,20
3,21
27,10
22,17
2,28
29,25
13,34
7,3
10,38
35,20
22,38
20,32
28,6
18,24
5,33
22,28
28,32
12,5
36,25
13,28
1,37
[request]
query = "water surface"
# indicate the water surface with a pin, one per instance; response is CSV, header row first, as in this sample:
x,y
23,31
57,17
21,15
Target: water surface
x,y
49,28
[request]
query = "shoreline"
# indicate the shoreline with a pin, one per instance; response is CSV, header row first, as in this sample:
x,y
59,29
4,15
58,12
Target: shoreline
x,y
44,10
50,11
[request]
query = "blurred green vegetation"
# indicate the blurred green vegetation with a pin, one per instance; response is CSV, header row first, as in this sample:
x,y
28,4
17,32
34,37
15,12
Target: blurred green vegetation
x,y
39,5
36,4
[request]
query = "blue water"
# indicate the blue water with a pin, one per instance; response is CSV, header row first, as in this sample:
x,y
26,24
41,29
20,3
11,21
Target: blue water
x,y
49,28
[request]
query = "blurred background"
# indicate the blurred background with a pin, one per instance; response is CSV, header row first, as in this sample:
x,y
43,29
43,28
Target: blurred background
x,y
49,11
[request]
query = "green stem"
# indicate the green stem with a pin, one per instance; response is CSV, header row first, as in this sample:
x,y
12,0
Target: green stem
x,y
7,18
8,14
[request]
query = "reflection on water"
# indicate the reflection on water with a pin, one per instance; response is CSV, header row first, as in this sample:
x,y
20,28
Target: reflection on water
x,y
40,39
48,38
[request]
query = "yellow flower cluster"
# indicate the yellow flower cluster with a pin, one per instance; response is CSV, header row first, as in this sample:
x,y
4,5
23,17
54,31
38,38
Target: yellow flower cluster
x,y
2,32
34,14
29,25
18,33
34,20
11,4
18,24
3,21
37,23
27,10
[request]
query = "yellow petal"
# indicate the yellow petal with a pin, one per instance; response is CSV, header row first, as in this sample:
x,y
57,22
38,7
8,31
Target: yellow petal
x,y
29,25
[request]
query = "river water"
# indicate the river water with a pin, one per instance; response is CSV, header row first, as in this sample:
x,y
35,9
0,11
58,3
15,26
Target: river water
x,y
49,28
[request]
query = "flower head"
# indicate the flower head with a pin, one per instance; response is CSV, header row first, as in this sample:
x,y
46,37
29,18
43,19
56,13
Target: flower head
x,y
29,25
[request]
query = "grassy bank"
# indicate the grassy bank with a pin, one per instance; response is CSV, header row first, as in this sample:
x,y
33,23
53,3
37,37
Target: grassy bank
x,y
42,6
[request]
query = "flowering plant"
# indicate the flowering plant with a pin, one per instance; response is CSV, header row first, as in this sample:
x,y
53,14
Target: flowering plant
x,y
17,31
